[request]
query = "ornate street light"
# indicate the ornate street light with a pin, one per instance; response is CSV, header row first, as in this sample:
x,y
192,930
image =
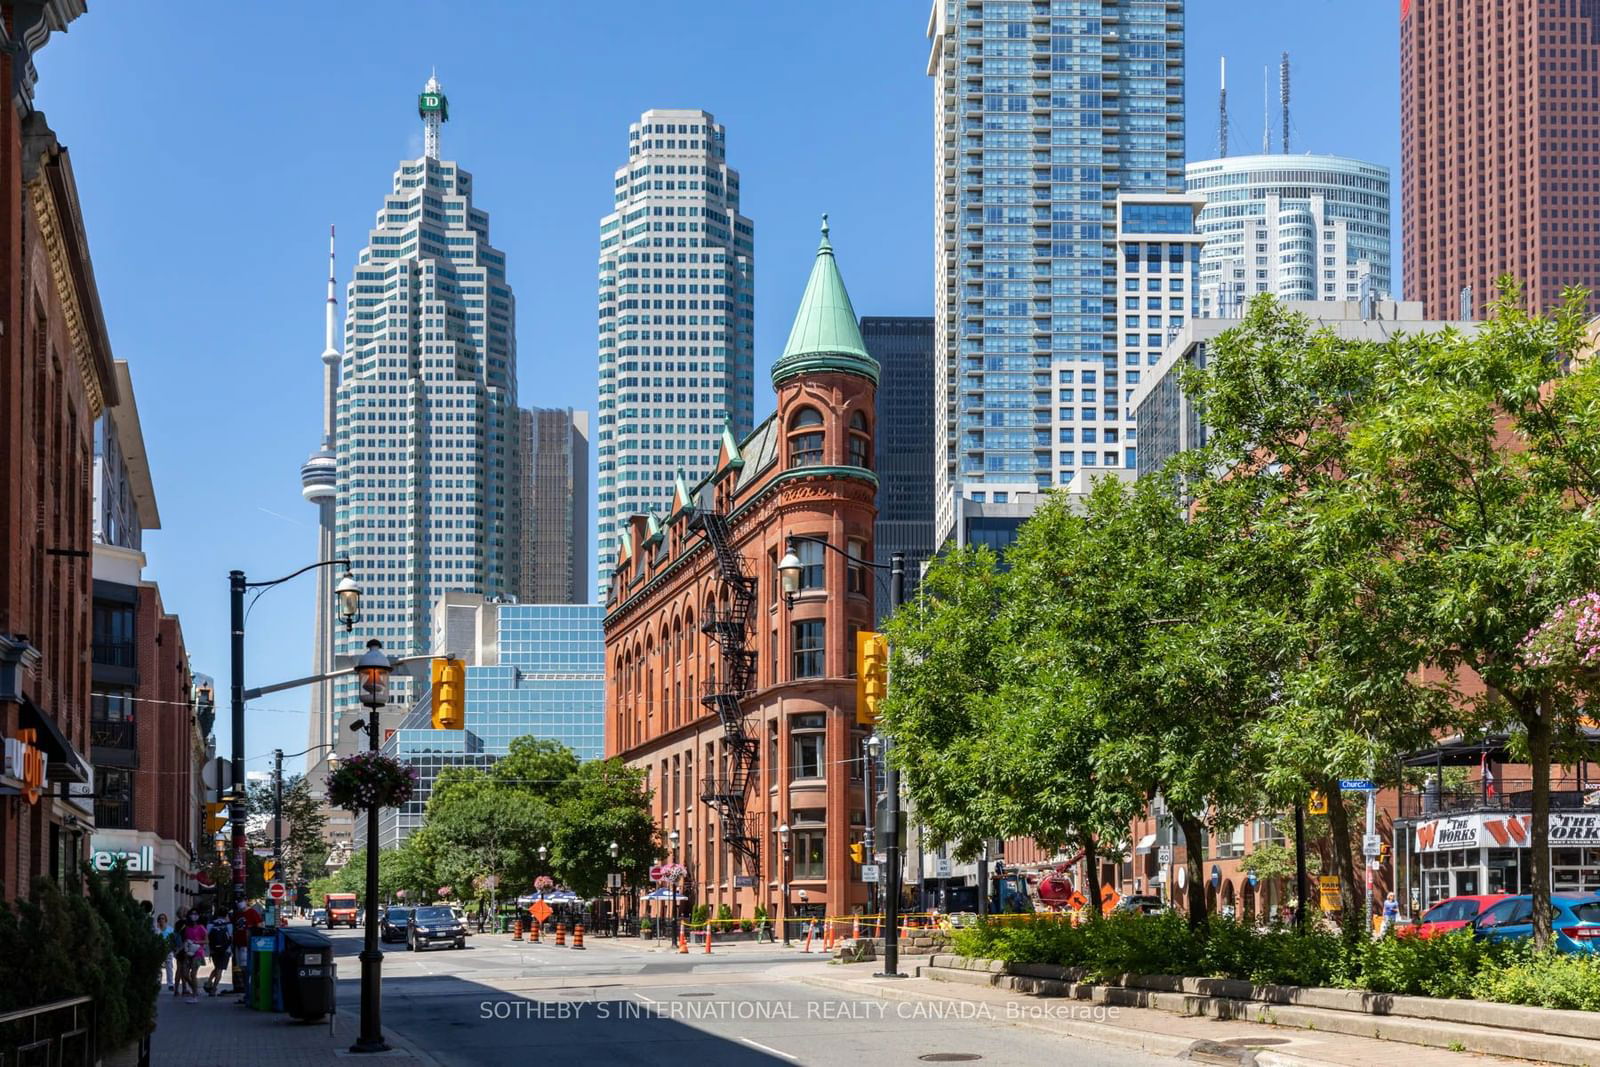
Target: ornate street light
x,y
783,908
348,594
372,671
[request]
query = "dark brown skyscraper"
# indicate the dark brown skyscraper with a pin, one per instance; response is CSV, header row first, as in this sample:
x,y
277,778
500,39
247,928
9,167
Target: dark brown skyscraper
x,y
1500,148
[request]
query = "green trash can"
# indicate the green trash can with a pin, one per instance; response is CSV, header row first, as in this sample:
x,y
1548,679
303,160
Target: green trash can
x,y
263,954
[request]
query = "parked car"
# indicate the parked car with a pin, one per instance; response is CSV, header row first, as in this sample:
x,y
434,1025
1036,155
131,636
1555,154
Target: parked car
x,y
392,924
319,916
1451,913
428,925
1137,904
1576,921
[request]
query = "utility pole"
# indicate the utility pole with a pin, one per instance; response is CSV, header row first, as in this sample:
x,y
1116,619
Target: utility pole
x,y
277,811
891,786
1369,855
236,586
1300,866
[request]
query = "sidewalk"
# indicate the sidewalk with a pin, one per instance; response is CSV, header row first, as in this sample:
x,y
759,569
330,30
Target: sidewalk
x,y
217,1032
1158,1033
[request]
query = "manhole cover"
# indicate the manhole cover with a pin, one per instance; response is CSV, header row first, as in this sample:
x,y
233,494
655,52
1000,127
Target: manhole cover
x,y
950,1057
1252,1042
696,994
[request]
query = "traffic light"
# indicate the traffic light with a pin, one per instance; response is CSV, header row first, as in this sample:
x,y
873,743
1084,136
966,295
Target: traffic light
x,y
216,817
268,870
872,675
1383,853
449,694
858,853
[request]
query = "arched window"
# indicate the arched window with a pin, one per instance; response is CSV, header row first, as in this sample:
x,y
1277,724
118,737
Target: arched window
x,y
860,442
805,438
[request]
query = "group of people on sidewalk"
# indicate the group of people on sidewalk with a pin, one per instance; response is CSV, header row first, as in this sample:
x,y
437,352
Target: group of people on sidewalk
x,y
193,942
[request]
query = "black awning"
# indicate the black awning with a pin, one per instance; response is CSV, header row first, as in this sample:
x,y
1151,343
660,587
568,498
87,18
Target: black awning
x,y
65,764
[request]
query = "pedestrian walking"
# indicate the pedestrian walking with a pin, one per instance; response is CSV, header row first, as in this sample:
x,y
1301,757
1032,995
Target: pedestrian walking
x,y
193,939
168,937
1391,912
219,939
483,915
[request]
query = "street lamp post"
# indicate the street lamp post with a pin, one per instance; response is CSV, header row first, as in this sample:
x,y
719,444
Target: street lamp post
x,y
616,880
789,571
677,912
783,875
373,670
277,800
348,596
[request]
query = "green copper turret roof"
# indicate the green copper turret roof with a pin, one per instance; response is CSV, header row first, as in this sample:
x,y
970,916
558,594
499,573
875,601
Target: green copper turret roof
x,y
825,335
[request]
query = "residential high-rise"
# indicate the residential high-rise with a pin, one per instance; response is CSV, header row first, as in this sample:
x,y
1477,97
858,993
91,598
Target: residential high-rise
x,y
1499,150
1306,227
903,347
1041,117
553,486
677,318
426,413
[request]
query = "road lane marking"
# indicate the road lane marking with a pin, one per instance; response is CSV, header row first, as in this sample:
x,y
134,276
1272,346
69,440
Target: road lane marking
x,y
769,1048
645,999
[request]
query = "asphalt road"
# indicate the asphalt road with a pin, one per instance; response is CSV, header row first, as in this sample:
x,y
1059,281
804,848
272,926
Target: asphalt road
x,y
498,1002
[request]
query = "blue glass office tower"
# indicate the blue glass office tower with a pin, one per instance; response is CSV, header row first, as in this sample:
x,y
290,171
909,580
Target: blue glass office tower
x,y
1045,110
532,669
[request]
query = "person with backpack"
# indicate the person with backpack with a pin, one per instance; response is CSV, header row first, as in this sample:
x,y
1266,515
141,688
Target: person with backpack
x,y
219,939
193,939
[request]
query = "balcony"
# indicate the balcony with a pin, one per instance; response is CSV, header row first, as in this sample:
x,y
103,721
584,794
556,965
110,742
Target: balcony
x,y
1508,795
113,742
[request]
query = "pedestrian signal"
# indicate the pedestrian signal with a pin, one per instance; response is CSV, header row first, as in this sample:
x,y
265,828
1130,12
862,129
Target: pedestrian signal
x,y
449,694
872,675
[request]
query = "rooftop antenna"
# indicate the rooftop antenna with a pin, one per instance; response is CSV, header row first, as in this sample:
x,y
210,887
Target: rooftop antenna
x,y
1222,113
1283,93
1266,113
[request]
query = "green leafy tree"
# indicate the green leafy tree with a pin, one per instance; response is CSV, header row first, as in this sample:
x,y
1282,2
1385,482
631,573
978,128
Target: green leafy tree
x,y
304,850
478,826
604,801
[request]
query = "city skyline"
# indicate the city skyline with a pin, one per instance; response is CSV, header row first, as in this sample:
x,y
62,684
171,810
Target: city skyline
x,y
225,462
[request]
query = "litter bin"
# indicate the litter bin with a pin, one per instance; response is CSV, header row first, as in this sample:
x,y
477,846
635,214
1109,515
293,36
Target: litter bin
x,y
305,973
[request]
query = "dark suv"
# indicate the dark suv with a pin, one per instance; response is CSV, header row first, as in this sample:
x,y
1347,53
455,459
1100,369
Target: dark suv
x,y
428,925
392,924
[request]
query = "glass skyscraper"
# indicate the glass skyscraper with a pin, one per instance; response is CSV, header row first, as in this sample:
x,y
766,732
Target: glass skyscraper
x,y
532,670
903,347
1044,111
677,318
426,411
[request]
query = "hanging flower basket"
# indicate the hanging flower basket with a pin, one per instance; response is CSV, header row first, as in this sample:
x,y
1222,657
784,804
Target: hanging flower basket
x,y
1569,642
370,780
673,873
543,882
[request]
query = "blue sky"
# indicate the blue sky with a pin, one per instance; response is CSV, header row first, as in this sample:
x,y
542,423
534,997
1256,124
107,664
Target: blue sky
x,y
214,143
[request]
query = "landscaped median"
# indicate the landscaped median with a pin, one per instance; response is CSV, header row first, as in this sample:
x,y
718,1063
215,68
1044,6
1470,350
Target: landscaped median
x,y
1448,992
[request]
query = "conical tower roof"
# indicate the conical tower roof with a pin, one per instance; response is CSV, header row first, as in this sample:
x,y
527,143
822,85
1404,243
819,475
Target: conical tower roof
x,y
825,335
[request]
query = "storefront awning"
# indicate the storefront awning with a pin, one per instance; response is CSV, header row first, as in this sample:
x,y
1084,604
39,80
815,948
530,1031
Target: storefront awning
x,y
65,765
1146,843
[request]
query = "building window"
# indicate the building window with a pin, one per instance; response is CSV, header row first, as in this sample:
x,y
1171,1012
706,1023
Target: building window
x,y
860,442
113,635
856,575
810,848
808,648
805,438
113,808
111,705
811,564
807,734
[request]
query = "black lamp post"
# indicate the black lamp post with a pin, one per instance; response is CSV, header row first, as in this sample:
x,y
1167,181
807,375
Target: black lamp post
x,y
783,875
373,670
616,880
348,596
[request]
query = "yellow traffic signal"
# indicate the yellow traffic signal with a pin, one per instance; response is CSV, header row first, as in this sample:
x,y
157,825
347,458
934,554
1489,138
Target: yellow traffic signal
x,y
449,694
872,675
216,817
1318,804
858,853
269,869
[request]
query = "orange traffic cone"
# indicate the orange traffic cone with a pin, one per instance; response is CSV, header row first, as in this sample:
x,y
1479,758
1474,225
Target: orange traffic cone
x,y
708,939
855,928
516,930
533,931
683,941
561,934
808,940
577,936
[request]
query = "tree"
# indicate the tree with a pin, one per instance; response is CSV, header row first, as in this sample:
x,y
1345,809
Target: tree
x,y
605,801
478,825
538,766
304,850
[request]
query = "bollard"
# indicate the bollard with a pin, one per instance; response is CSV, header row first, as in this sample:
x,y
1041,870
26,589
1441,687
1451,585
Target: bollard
x,y
516,930
577,936
561,934
708,939
855,928
683,941
807,947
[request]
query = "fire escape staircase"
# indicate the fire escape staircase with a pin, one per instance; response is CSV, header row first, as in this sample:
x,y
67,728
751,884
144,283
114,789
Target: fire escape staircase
x,y
730,627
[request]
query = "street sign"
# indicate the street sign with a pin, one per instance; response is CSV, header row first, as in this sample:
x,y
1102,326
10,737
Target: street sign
x,y
656,870
869,872
264,853
1328,885
1164,855
744,881
941,867
1359,785
614,880
1369,878
540,910
275,891
1372,846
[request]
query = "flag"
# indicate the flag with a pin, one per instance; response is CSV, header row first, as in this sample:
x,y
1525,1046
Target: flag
x,y
1488,774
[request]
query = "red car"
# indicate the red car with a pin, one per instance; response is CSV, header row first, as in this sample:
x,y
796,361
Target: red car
x,y
1451,913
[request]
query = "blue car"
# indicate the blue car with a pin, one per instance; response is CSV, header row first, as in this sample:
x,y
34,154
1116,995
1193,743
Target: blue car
x,y
1576,921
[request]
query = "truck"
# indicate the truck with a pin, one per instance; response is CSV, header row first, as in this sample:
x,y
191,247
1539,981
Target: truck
x,y
341,909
